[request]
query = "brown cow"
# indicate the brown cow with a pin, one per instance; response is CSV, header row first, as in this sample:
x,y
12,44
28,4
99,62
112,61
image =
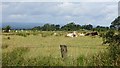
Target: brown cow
x,y
92,34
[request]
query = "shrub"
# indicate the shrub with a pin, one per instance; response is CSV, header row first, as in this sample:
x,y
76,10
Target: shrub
x,y
114,46
102,59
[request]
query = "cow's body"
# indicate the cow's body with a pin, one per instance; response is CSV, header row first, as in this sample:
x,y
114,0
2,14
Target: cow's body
x,y
92,34
70,35
74,34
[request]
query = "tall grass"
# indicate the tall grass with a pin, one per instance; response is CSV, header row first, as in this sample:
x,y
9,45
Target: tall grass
x,y
14,58
17,58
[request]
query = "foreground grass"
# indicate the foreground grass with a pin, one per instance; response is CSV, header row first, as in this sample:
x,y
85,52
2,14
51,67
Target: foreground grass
x,y
16,58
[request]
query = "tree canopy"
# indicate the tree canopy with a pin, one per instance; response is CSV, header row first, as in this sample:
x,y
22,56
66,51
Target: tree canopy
x,y
7,28
116,23
68,27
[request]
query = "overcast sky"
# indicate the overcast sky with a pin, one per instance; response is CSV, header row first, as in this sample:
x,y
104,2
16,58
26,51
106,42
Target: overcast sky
x,y
60,0
96,13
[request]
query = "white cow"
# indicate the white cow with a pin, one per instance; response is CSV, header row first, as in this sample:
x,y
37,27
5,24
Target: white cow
x,y
74,34
70,35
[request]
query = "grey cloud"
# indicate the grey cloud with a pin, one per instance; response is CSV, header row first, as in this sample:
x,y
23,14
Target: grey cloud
x,y
60,12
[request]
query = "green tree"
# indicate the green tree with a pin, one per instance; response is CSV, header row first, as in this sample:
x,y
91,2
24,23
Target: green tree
x,y
88,27
46,27
116,23
101,28
36,28
71,27
112,37
57,27
7,28
114,46
50,27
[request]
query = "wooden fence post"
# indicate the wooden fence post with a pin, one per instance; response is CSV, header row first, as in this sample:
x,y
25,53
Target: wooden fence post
x,y
63,51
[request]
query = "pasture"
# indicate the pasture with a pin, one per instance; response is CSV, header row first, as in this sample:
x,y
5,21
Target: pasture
x,y
43,48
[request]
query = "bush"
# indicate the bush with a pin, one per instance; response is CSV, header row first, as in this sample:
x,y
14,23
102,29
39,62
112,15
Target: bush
x,y
107,37
102,59
114,46
112,56
114,51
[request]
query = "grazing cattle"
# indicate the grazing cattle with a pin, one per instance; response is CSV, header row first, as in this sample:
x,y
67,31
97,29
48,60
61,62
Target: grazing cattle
x,y
94,33
91,34
70,35
74,34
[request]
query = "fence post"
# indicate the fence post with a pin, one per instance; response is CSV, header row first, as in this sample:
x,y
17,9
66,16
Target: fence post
x,y
63,51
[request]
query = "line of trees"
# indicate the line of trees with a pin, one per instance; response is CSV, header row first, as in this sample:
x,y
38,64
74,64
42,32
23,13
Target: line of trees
x,y
115,25
69,27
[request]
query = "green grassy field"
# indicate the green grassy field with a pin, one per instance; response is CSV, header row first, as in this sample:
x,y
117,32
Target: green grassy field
x,y
48,49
